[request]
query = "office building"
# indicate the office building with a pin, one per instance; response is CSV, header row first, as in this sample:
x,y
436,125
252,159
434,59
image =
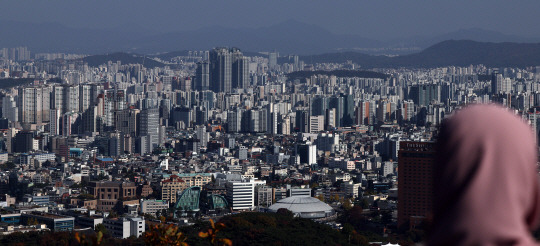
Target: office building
x,y
242,153
415,191
126,121
154,206
23,142
241,194
316,123
307,153
264,195
53,221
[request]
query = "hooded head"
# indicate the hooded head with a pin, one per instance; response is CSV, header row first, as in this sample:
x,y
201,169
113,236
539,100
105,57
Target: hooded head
x,y
485,179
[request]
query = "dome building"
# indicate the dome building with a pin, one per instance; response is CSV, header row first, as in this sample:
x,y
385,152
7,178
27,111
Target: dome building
x,y
304,207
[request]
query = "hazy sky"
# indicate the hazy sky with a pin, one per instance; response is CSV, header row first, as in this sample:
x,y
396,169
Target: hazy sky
x,y
372,18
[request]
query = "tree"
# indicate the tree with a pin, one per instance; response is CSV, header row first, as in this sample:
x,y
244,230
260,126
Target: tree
x,y
32,221
286,212
365,203
386,217
86,196
355,214
113,214
148,216
102,176
347,205
212,234
165,234
101,228
338,183
8,166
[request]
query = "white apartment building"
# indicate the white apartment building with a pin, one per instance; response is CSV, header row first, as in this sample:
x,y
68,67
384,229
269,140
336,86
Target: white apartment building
x,y
125,227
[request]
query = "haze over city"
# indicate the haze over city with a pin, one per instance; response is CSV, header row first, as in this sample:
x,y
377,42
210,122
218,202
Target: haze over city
x,y
372,23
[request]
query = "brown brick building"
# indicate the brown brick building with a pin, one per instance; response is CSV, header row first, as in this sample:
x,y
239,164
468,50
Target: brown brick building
x,y
415,192
170,188
108,193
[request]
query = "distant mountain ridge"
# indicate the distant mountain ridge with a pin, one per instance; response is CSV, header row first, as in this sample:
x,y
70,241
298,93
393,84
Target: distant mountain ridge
x,y
288,37
473,34
446,53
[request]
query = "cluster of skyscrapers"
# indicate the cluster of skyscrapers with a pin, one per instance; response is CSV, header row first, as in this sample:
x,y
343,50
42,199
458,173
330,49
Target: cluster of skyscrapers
x,y
220,130
224,70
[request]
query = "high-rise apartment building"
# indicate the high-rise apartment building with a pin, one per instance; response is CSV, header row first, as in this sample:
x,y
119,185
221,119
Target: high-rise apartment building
x,y
240,69
126,121
220,70
34,104
202,136
70,123
496,83
66,98
234,120
337,102
407,110
15,54
10,110
272,60
149,127
202,76
113,100
423,94
366,113
319,104
228,69
348,110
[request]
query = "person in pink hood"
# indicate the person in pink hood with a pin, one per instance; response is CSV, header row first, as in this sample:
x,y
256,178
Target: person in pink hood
x,y
486,188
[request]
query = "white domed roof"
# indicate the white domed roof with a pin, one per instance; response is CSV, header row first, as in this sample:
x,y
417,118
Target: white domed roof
x,y
302,204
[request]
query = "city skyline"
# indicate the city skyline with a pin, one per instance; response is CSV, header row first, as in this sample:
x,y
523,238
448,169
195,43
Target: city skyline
x,y
259,123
